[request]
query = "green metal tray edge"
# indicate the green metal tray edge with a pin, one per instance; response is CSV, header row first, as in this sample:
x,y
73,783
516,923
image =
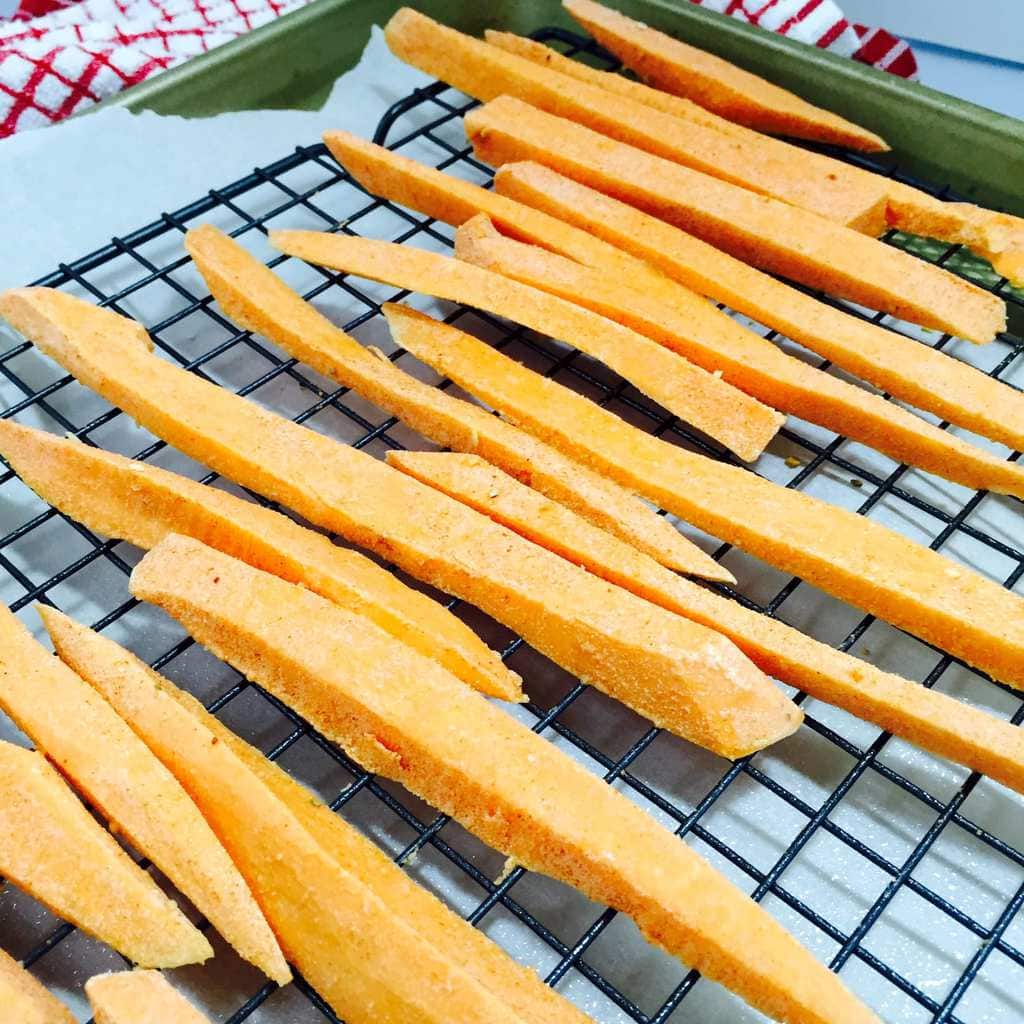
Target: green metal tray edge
x,y
293,61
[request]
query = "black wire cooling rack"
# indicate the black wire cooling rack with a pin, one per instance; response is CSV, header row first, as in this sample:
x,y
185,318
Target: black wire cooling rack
x,y
948,816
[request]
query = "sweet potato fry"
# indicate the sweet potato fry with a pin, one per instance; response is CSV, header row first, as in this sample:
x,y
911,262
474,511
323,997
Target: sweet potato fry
x,y
369,965
83,735
408,719
678,106
765,232
913,372
260,301
714,83
138,997
916,373
680,675
52,848
851,195
141,503
741,423
840,192
923,716
711,339
25,999
855,559
518,987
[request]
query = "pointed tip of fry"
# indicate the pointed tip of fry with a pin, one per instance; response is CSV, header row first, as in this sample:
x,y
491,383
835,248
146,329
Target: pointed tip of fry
x,y
47,316
197,238
479,228
298,243
59,627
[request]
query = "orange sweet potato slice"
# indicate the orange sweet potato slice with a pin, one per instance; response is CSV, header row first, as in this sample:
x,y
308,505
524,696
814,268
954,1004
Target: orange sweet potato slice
x,y
741,423
857,560
849,195
260,301
141,503
25,999
711,339
682,676
369,965
678,106
402,716
51,847
138,997
757,229
83,735
913,372
932,720
518,987
714,83
853,196
916,373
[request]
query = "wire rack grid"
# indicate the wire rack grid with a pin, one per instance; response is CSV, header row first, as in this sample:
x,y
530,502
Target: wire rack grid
x,y
901,871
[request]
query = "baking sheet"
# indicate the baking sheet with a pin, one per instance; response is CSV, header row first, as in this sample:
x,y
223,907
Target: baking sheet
x,y
928,947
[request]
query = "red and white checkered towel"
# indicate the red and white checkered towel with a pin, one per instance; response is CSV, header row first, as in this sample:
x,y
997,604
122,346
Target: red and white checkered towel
x,y
59,56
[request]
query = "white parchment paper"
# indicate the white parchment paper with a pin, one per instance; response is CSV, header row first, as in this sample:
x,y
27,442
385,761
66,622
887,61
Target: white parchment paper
x,y
66,190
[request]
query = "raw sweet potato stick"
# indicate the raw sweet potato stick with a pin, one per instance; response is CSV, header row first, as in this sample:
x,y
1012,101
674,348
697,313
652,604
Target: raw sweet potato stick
x,y
684,71
714,83
856,559
923,716
711,339
851,195
83,735
144,698
138,997
840,192
370,965
261,302
917,373
682,676
762,231
141,503
51,847
403,716
741,423
25,999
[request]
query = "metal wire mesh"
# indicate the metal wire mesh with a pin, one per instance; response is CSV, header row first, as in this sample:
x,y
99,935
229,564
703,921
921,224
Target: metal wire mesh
x,y
923,811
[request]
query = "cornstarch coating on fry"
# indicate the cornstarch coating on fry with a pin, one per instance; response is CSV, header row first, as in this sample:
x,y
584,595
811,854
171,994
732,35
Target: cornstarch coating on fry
x,y
854,196
921,715
682,676
849,195
518,987
406,718
711,339
917,373
853,558
138,997
760,230
714,83
908,370
141,503
25,999
260,301
741,423
370,966
51,847
83,735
